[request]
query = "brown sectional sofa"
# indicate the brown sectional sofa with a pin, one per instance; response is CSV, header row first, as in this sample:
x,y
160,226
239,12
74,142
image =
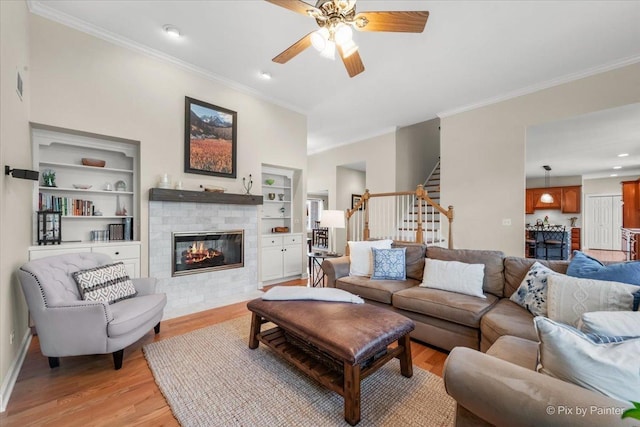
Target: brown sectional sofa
x,y
498,385
448,319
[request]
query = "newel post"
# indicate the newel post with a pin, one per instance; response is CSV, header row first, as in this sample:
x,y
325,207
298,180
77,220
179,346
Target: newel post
x,y
420,193
365,202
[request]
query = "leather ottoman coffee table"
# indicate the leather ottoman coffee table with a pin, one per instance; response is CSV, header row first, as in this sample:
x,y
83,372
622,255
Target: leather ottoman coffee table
x,y
337,344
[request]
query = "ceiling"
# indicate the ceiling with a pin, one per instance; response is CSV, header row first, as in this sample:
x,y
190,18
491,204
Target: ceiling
x,y
587,145
471,53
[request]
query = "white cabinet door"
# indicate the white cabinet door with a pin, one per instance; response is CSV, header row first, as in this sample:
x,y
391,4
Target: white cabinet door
x,y
292,260
271,262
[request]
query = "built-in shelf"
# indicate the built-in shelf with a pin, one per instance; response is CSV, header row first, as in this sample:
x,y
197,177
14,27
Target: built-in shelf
x,y
83,190
84,168
168,195
96,216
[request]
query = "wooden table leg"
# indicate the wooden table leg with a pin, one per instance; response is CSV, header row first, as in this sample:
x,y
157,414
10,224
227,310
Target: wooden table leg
x,y
256,323
406,364
351,393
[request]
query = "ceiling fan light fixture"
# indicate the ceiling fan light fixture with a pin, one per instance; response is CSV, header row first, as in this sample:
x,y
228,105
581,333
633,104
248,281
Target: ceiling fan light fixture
x,y
319,39
329,50
343,34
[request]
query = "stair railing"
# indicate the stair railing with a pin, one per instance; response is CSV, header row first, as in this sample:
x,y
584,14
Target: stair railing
x,y
382,216
435,168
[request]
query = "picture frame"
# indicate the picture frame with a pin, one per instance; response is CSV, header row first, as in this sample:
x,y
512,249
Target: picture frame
x,y
355,199
210,139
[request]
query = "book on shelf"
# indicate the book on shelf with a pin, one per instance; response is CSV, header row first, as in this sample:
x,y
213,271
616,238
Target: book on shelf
x,y
66,205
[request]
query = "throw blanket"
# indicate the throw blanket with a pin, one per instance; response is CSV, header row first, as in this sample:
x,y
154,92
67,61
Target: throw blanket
x,y
282,293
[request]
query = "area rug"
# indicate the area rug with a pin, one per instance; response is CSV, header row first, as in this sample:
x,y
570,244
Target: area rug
x,y
210,377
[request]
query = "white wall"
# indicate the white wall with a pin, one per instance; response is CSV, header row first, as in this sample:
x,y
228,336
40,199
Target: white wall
x,y
607,186
84,83
15,202
378,153
483,151
417,153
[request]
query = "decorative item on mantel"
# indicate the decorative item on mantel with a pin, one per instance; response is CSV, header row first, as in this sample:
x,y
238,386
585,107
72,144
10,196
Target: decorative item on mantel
x,y
213,189
247,185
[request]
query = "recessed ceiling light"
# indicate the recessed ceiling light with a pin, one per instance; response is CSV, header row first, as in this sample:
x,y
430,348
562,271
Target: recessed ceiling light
x,y
172,31
617,167
623,155
265,76
614,174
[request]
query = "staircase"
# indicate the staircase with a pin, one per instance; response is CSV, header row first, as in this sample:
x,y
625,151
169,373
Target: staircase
x,y
430,216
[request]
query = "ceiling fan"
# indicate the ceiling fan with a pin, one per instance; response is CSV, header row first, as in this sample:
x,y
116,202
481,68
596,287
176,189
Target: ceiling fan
x,y
336,19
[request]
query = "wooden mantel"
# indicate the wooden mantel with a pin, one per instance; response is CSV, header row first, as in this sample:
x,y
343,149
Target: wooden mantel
x,y
168,195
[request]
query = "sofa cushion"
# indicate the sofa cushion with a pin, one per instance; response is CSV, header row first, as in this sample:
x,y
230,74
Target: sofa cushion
x,y
570,297
361,257
130,313
376,290
507,318
451,306
515,268
414,258
610,368
586,267
493,282
389,264
454,276
516,350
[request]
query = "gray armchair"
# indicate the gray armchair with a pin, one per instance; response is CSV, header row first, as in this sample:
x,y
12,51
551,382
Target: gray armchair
x,y
70,326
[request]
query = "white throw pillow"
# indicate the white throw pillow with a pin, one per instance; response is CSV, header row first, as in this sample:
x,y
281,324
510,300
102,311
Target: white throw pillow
x,y
453,276
361,256
532,292
612,369
569,297
611,323
289,293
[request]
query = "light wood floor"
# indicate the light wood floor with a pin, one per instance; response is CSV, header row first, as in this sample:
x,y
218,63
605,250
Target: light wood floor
x,y
86,390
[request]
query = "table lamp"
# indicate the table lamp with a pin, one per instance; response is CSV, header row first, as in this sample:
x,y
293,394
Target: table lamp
x,y
332,220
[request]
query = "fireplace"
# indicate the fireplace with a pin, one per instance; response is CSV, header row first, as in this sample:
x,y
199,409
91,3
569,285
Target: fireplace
x,y
204,251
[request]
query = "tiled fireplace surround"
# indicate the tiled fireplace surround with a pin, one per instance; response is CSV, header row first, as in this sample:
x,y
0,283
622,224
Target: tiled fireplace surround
x,y
196,292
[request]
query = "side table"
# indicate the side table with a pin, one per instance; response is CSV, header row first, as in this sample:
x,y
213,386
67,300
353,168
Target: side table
x,y
316,274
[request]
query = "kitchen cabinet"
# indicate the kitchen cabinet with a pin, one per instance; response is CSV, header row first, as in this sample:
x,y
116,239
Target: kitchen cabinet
x,y
571,198
556,193
529,202
281,256
575,239
567,199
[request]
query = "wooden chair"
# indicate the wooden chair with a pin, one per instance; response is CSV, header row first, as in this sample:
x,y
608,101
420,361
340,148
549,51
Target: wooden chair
x,y
320,237
530,244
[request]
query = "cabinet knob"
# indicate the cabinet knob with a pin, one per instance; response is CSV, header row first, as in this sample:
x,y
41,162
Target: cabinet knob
x,y
273,241
117,253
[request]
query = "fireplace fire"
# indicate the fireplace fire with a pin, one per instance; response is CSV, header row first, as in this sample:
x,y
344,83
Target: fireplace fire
x,y
199,252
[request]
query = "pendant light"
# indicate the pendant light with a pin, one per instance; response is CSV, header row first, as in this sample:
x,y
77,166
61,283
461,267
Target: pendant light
x,y
546,196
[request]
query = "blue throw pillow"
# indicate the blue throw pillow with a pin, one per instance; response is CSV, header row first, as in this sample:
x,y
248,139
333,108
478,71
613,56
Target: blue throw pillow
x,y
585,267
389,264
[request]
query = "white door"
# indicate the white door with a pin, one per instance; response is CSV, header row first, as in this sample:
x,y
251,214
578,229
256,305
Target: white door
x,y
604,218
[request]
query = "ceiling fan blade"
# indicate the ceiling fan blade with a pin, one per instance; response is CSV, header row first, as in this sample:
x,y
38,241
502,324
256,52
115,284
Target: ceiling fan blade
x,y
294,49
296,6
352,63
405,22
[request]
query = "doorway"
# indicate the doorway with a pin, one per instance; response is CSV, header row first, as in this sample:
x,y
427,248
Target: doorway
x,y
603,219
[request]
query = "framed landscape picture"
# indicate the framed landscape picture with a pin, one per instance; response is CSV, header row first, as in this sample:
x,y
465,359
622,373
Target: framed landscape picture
x,y
210,144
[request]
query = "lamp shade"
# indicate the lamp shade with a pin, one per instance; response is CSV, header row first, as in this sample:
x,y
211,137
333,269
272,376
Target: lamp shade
x,y
332,219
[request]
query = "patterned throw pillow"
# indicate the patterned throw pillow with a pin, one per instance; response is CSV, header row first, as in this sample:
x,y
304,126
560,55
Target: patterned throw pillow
x,y
389,264
532,292
109,283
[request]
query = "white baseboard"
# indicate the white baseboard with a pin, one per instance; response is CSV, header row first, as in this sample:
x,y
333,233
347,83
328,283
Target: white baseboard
x,y
14,370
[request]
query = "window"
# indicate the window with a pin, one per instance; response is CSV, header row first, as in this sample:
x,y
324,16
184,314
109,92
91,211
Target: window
x,y
314,210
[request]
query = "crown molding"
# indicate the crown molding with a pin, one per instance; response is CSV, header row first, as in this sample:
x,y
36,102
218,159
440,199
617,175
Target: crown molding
x,y
38,8
364,137
543,85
